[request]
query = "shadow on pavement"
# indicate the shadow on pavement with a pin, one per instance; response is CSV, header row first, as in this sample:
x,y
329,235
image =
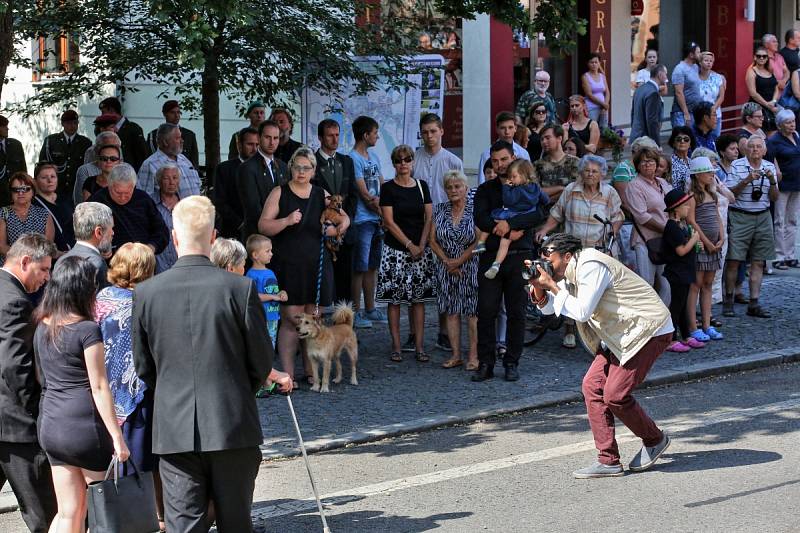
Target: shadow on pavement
x,y
364,522
720,499
713,460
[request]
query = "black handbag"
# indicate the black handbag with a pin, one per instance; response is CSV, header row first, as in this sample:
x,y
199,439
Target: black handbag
x,y
655,247
122,505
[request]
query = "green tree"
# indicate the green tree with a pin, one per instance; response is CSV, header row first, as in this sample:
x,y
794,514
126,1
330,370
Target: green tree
x,y
246,50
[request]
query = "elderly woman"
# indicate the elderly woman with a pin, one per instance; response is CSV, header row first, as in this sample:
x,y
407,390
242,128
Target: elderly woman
x,y
106,158
291,218
752,121
406,274
683,144
644,198
452,240
133,401
136,218
168,180
90,168
60,207
576,209
21,216
784,150
229,254
580,125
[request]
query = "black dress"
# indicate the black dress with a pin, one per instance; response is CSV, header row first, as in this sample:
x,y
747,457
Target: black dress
x,y
70,429
297,249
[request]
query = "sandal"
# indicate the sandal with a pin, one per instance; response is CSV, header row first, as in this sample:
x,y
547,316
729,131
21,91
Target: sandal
x,y
472,366
452,363
793,263
758,312
396,357
715,322
740,299
780,265
422,357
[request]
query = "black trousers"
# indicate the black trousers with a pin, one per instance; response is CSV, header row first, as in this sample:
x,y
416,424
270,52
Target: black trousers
x,y
677,307
191,479
507,284
27,470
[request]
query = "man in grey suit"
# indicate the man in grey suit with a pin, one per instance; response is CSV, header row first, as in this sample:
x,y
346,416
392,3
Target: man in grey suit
x,y
200,341
94,228
648,107
22,461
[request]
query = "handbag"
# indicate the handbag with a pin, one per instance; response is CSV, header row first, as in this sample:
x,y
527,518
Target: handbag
x,y
655,247
122,505
788,99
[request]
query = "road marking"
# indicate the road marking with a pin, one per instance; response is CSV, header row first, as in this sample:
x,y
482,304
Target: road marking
x,y
674,426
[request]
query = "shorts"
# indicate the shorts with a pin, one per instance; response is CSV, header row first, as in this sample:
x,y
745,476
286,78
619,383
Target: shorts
x,y
367,246
750,233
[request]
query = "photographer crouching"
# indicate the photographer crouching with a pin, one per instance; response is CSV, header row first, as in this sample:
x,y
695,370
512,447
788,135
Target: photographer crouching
x,y
621,319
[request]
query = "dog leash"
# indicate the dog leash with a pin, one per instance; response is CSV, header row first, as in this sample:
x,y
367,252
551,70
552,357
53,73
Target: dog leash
x,y
319,270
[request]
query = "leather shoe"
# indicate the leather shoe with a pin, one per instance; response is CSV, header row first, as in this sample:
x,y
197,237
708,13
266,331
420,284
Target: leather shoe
x,y
483,373
512,374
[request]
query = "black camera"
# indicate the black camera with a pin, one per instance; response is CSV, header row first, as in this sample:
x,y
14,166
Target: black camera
x,y
529,270
758,192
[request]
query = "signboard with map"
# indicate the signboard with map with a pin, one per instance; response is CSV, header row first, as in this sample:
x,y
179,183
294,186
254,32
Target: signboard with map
x,y
397,110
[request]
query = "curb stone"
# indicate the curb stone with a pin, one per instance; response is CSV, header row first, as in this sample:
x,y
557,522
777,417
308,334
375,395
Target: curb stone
x,y
701,370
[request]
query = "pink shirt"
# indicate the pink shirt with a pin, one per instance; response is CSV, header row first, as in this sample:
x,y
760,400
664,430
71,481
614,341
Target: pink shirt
x,y
645,201
776,65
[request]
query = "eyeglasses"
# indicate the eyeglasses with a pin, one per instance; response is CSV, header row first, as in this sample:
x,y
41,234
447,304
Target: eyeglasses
x,y
540,112
761,56
108,158
407,159
542,81
303,168
648,162
21,190
682,139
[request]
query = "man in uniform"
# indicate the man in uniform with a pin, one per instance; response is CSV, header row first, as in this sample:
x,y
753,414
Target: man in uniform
x,y
12,159
66,150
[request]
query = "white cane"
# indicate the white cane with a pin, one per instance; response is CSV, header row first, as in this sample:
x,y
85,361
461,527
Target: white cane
x,y
325,528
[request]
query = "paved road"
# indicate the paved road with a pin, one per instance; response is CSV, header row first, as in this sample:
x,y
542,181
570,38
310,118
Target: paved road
x,y
732,467
390,393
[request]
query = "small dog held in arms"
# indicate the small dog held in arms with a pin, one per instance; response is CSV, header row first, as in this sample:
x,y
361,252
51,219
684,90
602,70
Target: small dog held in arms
x,y
325,344
333,215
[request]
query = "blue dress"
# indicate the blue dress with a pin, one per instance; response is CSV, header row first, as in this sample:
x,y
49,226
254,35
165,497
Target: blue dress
x,y
133,401
520,200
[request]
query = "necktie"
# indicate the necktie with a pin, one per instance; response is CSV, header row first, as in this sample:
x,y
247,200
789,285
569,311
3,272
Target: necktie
x,y
330,165
2,147
273,170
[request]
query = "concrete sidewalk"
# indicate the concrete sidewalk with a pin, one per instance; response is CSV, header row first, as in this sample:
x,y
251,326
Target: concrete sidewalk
x,y
397,398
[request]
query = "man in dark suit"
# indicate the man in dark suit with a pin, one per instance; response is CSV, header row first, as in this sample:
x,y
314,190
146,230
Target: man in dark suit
x,y
12,159
66,151
172,115
22,461
648,107
335,173
203,322
93,223
258,175
226,194
134,146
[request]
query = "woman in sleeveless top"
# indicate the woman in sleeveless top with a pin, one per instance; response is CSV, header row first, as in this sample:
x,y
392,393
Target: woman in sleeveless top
x,y
291,217
22,217
595,88
537,118
763,87
704,218
580,125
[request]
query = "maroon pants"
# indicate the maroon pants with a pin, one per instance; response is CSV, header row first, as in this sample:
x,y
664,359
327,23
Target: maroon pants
x,y
607,388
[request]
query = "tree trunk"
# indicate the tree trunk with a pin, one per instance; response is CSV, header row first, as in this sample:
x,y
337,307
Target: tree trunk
x,y
6,39
210,106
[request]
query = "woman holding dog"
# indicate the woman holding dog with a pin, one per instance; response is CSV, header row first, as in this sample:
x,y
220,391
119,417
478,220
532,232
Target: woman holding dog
x,y
291,217
452,240
406,274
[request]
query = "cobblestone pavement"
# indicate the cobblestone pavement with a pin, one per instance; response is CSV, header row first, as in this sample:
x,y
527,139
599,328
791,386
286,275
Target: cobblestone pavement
x,y
393,393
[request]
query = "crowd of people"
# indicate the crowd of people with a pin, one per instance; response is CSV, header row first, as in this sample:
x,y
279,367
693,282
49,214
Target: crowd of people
x,y
109,240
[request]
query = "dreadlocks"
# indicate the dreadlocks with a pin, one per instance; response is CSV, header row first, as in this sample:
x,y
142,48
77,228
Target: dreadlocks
x,y
563,243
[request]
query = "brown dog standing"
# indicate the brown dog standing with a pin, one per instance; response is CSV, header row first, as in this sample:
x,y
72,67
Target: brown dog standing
x,y
325,344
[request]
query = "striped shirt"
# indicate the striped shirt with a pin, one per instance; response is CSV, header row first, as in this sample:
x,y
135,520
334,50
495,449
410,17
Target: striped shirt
x,y
576,210
740,169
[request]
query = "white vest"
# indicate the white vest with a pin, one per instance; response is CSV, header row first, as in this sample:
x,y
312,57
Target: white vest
x,y
628,314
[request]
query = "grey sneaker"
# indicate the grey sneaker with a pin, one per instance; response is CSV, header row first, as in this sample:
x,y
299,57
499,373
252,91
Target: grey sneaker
x,y
647,456
360,322
599,470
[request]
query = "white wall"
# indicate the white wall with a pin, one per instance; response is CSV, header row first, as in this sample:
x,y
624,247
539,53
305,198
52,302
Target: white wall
x,y
477,90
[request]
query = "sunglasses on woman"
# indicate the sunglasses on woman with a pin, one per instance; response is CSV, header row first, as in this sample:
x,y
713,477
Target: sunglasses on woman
x,y
108,158
21,190
761,56
407,159
682,139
